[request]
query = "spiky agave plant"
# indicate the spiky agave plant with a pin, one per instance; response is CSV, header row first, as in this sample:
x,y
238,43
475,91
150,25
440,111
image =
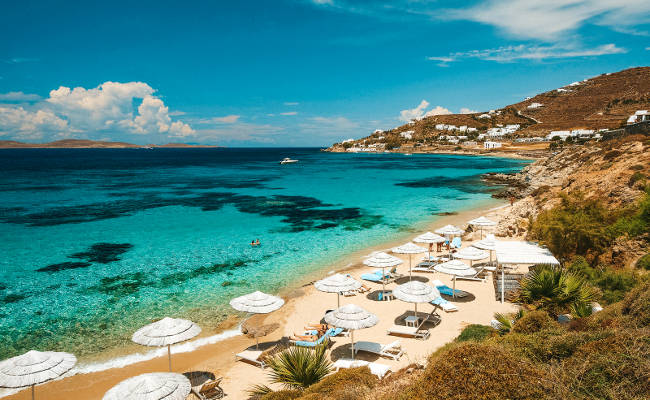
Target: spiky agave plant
x,y
299,367
556,290
507,321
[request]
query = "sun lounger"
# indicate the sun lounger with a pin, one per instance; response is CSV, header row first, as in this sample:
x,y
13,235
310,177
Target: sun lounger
x,y
380,370
372,277
332,332
456,243
349,293
444,304
415,332
305,343
391,350
209,390
447,291
253,356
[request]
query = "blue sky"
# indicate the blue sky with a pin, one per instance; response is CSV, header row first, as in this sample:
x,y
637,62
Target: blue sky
x,y
292,72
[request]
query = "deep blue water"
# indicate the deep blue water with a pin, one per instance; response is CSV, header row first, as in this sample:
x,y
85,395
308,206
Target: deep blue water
x,y
98,242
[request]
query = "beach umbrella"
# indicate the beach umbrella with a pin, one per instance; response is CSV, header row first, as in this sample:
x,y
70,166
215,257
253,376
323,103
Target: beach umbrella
x,y
449,230
471,253
166,332
382,260
455,268
152,386
416,292
488,243
34,367
482,222
410,249
429,238
337,283
351,317
257,303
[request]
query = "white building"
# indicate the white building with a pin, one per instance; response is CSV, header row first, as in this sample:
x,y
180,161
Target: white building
x,y
582,132
348,140
471,129
535,105
484,116
462,128
407,134
491,145
440,127
378,131
561,134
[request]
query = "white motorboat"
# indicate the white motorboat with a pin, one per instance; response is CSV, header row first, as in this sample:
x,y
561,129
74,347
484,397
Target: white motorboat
x,y
288,160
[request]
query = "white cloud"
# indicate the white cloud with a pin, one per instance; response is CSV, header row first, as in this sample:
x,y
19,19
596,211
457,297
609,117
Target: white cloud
x,y
532,52
291,103
228,119
110,107
419,112
465,110
18,97
30,124
289,113
551,19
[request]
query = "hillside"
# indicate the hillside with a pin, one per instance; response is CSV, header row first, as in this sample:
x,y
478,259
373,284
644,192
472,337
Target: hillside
x,y
85,144
601,102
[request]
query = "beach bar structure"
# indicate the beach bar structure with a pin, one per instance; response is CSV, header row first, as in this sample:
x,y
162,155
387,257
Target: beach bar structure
x,y
520,252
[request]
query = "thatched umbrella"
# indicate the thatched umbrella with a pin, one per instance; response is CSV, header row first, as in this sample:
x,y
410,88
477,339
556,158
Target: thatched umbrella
x,y
471,253
416,292
410,249
351,317
481,222
166,332
34,367
153,386
429,238
257,303
382,260
337,283
455,268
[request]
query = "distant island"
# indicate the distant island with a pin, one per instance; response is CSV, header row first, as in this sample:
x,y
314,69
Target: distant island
x,y
91,144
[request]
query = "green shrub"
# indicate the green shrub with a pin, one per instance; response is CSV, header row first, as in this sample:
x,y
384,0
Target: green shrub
x,y
475,332
637,167
644,262
612,154
613,283
534,321
636,177
473,370
347,384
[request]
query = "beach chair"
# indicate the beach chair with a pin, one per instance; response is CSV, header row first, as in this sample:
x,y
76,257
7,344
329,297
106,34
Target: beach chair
x,y
393,274
456,243
447,291
209,390
444,304
374,276
349,293
377,369
479,275
252,356
304,343
425,266
333,332
363,289
411,331
392,350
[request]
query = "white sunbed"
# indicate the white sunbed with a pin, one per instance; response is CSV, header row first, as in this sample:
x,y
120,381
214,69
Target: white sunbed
x,y
252,356
444,304
415,332
380,370
391,350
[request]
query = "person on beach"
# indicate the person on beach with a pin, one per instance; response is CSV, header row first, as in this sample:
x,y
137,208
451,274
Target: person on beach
x,y
257,243
253,243
512,201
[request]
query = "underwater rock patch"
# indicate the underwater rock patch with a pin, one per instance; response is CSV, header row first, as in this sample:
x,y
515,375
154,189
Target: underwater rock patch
x,y
103,253
63,266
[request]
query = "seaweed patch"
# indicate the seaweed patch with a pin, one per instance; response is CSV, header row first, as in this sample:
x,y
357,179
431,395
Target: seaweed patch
x,y
63,266
103,253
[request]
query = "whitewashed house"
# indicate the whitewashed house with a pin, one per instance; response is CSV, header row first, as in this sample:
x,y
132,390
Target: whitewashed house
x,y
561,134
462,128
492,145
582,133
484,116
440,127
471,129
407,134
533,106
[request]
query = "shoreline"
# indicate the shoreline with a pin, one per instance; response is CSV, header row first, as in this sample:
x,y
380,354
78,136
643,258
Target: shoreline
x,y
199,354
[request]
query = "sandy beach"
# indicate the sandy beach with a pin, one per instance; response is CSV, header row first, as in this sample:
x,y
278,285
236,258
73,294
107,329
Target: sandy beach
x,y
305,304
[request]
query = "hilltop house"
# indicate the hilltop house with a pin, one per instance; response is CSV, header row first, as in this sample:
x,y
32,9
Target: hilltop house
x,y
582,133
533,106
561,134
491,145
484,116
347,141
639,116
407,134
440,127
470,129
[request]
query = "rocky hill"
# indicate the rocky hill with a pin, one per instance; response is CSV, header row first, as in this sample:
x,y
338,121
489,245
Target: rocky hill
x,y
601,102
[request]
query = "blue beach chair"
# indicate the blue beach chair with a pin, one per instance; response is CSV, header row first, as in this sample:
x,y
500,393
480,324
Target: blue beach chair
x,y
456,243
303,343
447,291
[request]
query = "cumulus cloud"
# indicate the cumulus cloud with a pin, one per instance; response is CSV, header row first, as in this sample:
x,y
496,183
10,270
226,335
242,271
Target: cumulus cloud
x,y
465,110
18,97
420,112
530,52
110,107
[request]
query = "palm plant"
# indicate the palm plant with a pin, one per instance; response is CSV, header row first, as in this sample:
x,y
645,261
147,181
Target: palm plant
x,y
556,290
507,321
299,367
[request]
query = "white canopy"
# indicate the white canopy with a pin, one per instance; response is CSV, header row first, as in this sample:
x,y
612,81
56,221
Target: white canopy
x,y
409,248
336,284
429,238
416,292
153,386
518,252
382,260
471,253
34,367
165,332
257,303
482,221
455,267
351,317
449,230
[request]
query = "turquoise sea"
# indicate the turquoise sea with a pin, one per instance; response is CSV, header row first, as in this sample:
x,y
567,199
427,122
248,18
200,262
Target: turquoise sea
x,y
98,242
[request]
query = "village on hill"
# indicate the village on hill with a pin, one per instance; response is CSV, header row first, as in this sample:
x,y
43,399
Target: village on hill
x,y
577,112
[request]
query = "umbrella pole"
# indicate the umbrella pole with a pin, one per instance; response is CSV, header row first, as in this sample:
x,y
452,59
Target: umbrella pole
x,y
410,271
169,355
416,310
33,392
383,282
453,291
352,339
257,343
503,281
338,299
